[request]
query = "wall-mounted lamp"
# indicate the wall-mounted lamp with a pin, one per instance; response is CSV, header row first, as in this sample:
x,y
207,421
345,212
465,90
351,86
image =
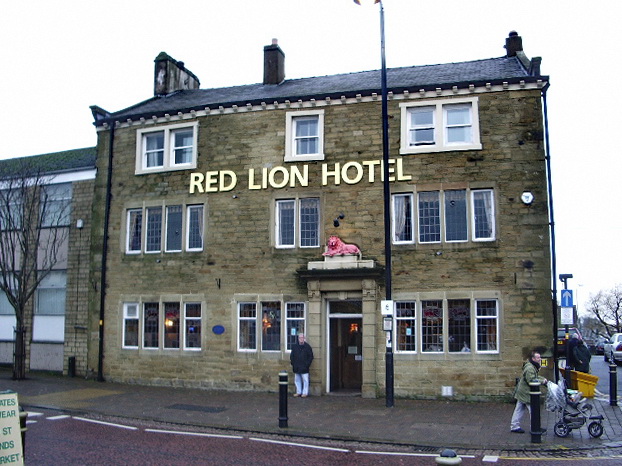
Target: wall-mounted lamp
x,y
336,221
80,224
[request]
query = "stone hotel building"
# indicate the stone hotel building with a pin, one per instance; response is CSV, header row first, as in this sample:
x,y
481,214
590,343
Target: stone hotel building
x,y
213,209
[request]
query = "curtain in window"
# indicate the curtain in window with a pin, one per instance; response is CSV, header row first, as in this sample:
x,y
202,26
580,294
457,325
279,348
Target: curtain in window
x,y
399,217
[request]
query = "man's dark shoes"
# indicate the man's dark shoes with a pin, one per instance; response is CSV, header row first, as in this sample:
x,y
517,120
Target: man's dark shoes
x,y
517,431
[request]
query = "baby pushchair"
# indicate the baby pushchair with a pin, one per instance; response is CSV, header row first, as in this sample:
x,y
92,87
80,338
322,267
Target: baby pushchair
x,y
573,411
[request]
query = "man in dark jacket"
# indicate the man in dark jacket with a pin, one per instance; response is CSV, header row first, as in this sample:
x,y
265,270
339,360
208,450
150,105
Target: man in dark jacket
x,y
582,357
301,358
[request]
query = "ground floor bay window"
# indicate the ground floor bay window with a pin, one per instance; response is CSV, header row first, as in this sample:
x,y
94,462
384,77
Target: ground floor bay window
x,y
168,325
269,325
447,325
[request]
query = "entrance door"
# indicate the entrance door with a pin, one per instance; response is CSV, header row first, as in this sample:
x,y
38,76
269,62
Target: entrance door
x,y
346,345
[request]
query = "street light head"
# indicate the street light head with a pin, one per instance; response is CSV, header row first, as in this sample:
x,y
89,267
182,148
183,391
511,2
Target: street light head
x,y
565,276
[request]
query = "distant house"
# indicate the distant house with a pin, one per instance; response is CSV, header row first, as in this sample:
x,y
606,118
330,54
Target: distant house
x,y
219,204
56,319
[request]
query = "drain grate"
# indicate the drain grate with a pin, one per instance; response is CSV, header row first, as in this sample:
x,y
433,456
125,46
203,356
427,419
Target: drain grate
x,y
204,409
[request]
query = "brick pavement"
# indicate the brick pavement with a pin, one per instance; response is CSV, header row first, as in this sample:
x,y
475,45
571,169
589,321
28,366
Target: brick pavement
x,y
420,423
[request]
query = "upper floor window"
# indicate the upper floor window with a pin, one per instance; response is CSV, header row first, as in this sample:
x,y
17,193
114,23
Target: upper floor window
x,y
298,223
444,216
164,227
446,125
304,136
51,294
167,148
55,205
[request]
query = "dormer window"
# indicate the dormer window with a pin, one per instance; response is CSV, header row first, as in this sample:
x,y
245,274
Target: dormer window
x,y
166,148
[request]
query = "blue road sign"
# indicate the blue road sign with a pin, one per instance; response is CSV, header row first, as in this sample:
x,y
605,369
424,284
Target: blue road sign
x,y
567,298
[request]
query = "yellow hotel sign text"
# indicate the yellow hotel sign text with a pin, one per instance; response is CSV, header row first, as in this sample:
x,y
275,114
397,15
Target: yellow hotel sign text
x,y
297,176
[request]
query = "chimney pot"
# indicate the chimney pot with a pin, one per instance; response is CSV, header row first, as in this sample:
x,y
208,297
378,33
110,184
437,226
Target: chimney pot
x,y
513,44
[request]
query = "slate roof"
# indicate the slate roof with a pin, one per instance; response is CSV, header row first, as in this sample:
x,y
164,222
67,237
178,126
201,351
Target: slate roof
x,y
53,163
478,72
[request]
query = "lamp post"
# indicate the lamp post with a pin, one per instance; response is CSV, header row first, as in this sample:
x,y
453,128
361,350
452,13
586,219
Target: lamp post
x,y
387,206
564,277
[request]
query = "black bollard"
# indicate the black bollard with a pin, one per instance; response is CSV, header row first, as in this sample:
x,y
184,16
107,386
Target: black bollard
x,y
613,384
283,399
536,429
23,417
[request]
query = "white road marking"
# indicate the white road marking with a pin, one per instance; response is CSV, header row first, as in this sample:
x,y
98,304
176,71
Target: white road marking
x,y
57,418
105,423
198,434
490,459
293,444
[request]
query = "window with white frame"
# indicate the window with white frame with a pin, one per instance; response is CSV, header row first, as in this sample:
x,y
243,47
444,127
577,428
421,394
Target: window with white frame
x,y
172,320
270,325
170,325
151,325
444,216
130,325
403,221
406,326
432,326
247,326
261,321
153,240
487,325
55,205
192,326
297,223
447,325
194,236
295,317
459,325
153,223
304,136
174,223
134,231
166,148
429,217
483,215
436,126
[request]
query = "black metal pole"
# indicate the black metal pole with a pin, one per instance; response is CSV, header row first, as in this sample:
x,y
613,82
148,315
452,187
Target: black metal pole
x,y
613,384
283,399
552,230
387,209
536,429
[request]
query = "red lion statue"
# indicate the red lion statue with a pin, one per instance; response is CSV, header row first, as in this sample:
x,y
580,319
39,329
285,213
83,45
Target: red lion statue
x,y
336,247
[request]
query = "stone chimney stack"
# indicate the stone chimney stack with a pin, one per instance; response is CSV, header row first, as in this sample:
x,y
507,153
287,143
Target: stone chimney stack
x,y
273,64
513,44
170,75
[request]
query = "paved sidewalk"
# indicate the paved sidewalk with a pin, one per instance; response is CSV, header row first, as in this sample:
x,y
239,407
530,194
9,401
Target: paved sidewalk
x,y
441,423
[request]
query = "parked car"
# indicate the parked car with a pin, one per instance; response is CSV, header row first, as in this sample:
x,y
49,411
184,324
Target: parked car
x,y
613,348
561,339
600,345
